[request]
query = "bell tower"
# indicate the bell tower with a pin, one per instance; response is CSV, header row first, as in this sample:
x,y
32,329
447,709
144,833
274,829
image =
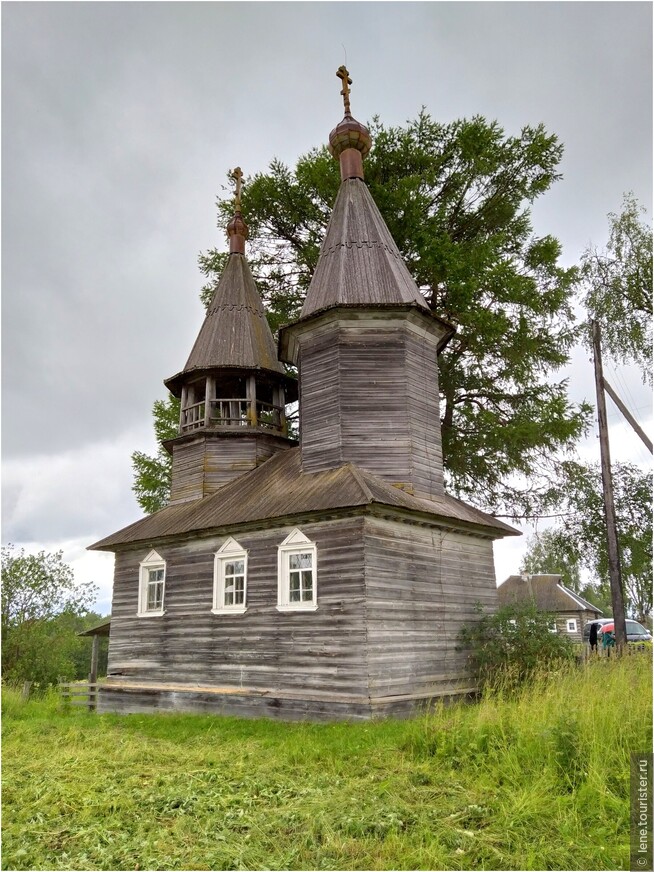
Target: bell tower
x,y
233,389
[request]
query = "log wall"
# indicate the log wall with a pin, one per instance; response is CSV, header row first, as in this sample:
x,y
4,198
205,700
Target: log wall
x,y
207,460
422,586
581,617
369,396
392,598
316,653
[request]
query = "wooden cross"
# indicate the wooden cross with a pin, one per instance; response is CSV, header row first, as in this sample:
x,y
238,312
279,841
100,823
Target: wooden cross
x,y
343,74
238,175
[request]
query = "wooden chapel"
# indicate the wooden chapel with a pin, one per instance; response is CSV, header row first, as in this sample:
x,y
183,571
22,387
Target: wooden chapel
x,y
325,580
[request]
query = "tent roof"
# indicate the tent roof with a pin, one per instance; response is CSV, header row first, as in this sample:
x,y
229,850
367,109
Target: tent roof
x,y
359,262
235,332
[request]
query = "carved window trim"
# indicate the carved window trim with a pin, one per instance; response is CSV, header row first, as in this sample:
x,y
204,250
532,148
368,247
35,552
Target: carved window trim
x,y
229,554
296,544
152,586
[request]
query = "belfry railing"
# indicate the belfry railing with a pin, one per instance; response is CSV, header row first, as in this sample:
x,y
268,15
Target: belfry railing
x,y
232,412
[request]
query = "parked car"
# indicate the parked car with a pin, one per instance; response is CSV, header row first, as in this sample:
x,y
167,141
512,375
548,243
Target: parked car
x,y
635,631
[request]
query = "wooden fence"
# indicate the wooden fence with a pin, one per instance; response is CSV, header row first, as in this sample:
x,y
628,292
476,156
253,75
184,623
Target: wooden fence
x,y
79,693
630,649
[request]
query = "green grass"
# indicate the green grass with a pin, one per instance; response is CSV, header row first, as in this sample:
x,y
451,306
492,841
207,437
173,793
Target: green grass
x,y
536,782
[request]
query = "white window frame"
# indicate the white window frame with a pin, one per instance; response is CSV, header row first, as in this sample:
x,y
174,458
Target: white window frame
x,y
152,563
573,628
552,627
295,543
230,552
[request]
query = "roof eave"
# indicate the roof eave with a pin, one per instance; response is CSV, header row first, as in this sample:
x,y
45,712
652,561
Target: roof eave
x,y
227,432
578,600
366,504
287,340
175,382
100,629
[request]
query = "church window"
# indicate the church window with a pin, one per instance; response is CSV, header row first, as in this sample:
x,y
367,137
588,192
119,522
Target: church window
x,y
296,579
230,579
152,583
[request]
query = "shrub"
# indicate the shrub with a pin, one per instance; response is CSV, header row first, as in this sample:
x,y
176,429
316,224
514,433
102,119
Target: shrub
x,y
510,646
43,608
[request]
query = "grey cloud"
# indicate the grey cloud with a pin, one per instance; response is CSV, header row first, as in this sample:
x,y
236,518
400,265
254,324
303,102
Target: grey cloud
x,y
69,495
120,121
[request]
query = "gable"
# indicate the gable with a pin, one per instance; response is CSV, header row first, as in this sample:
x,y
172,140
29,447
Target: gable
x,y
296,537
231,546
153,557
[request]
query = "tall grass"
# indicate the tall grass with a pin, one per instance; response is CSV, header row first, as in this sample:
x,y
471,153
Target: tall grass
x,y
535,781
45,702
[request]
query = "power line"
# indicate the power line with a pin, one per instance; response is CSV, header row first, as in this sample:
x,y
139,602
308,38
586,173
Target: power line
x,y
624,387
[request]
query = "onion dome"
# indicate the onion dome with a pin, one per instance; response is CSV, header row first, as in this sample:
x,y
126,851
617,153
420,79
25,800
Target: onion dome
x,y
350,133
350,140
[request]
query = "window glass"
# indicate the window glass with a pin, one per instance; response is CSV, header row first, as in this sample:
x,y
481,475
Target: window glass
x,y
300,577
155,589
300,561
234,583
634,628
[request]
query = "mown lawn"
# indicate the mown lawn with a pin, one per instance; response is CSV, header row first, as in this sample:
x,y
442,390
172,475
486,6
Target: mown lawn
x,y
537,782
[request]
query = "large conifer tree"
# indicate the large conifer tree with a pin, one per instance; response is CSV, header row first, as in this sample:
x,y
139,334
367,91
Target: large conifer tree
x,y
457,200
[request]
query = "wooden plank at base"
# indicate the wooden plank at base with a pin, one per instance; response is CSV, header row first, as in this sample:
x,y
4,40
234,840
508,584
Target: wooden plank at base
x,y
77,686
80,693
291,695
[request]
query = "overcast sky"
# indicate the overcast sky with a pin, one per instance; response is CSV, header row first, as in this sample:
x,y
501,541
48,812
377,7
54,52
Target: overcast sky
x,y
120,121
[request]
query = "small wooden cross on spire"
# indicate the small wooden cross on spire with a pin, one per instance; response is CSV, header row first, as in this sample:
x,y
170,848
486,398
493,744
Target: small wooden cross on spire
x,y
237,174
343,74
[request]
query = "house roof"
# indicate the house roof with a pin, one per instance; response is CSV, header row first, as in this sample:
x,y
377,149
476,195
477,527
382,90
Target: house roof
x,y
359,262
546,591
100,629
584,604
279,489
235,332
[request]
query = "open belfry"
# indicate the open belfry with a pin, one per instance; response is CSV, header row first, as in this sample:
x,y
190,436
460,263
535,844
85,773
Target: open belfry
x,y
325,580
233,389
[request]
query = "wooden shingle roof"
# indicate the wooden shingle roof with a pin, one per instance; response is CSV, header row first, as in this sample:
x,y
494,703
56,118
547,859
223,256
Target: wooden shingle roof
x,y
359,262
278,489
235,332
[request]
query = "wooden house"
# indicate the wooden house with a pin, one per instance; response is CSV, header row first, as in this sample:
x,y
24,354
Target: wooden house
x,y
548,593
323,580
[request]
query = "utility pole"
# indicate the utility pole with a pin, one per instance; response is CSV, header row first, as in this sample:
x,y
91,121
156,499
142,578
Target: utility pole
x,y
617,598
